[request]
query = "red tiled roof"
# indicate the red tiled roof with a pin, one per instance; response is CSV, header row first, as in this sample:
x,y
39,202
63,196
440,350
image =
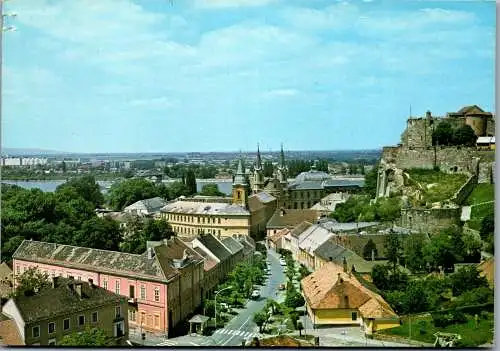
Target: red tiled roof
x,y
328,287
9,333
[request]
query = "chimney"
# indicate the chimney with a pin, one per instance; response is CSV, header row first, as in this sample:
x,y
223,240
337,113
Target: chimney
x,y
78,289
344,264
150,253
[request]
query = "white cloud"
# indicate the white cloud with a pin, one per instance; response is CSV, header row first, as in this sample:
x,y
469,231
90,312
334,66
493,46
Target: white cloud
x,y
211,4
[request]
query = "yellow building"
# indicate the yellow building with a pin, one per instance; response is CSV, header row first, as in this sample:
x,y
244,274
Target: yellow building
x,y
335,296
190,219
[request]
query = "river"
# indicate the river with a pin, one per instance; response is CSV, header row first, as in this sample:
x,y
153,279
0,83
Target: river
x,y
225,186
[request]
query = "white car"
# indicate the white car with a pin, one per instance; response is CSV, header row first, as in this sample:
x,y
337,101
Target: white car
x,y
255,294
283,262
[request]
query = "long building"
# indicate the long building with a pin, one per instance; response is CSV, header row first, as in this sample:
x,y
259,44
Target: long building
x,y
163,286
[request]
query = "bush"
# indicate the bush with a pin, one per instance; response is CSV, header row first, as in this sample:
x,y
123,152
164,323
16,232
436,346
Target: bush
x,y
444,319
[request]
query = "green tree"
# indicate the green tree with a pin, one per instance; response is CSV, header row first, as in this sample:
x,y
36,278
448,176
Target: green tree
x,y
464,135
388,209
91,337
443,134
30,282
465,279
414,254
487,226
370,248
259,318
444,249
99,233
211,189
177,189
130,191
380,276
85,187
370,185
190,182
394,249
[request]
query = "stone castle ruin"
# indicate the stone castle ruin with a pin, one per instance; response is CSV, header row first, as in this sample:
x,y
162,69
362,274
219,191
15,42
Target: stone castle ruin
x,y
416,150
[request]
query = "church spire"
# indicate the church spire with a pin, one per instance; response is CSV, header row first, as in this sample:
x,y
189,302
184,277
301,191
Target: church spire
x,y
240,176
282,157
258,166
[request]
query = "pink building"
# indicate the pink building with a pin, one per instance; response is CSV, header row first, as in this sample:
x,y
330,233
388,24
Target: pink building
x,y
163,285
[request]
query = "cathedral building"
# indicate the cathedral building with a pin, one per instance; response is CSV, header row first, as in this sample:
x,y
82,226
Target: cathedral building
x,y
307,189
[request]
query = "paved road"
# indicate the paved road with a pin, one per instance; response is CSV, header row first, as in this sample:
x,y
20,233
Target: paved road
x,y
242,326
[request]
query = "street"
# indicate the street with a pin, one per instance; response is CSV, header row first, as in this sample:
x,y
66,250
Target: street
x,y
242,326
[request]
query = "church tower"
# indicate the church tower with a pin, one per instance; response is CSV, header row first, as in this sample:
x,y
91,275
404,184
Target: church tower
x,y
240,186
282,170
283,179
258,174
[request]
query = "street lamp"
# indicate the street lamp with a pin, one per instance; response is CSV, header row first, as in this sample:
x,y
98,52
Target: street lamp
x,y
217,293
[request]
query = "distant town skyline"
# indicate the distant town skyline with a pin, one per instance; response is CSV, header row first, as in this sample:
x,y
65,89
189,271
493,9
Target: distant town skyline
x,y
123,76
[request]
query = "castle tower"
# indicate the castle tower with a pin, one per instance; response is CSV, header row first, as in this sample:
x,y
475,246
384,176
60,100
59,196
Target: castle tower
x,y
240,186
258,174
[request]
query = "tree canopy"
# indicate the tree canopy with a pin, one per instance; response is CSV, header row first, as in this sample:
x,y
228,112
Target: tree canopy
x,y
30,282
444,134
130,191
92,337
211,189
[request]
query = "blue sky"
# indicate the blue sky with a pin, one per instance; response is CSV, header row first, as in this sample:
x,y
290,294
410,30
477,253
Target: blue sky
x,y
224,75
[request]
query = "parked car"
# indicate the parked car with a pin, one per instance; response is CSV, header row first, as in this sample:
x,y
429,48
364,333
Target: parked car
x,y
282,262
255,294
282,286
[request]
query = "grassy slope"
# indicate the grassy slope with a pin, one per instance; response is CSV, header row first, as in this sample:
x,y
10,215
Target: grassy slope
x,y
423,330
445,185
481,193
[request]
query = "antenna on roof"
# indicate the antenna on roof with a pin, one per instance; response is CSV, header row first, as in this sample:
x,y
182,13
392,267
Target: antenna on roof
x,y
410,110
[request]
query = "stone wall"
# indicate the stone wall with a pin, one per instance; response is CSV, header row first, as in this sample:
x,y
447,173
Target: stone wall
x,y
465,190
448,159
486,173
429,220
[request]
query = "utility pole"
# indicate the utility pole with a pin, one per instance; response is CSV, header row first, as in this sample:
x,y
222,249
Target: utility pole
x,y
2,30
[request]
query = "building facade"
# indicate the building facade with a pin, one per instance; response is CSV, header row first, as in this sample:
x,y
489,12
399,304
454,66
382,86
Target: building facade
x,y
163,285
68,306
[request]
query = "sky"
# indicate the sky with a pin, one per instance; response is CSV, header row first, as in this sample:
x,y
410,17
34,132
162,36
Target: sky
x,y
224,75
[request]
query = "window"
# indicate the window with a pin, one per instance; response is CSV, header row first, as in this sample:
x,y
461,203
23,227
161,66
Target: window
x,y
143,292
131,315
79,277
157,321
218,220
143,317
95,317
157,294
354,316
118,311
198,219
52,327
36,331
105,284
66,324
18,269
117,287
81,320
131,291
